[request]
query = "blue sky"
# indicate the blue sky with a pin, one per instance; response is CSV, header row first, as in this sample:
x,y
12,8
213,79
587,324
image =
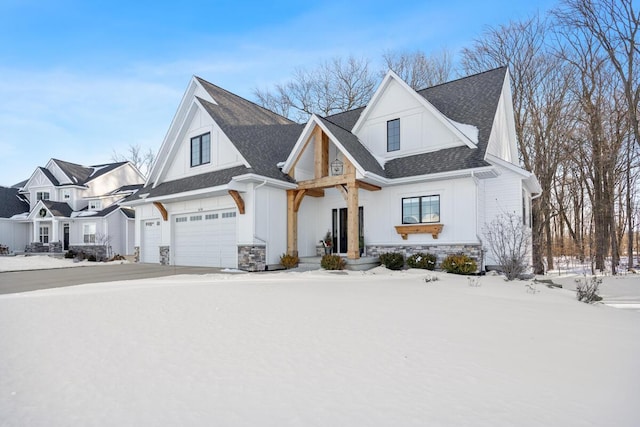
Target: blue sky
x,y
80,79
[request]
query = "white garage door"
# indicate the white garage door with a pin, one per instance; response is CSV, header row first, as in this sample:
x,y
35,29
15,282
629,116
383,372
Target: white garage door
x,y
205,239
150,241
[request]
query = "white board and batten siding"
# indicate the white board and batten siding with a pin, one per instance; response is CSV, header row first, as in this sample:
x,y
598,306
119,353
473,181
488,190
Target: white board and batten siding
x,y
206,239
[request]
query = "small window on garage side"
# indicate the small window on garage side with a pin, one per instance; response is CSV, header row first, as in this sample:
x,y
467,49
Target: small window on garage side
x,y
201,149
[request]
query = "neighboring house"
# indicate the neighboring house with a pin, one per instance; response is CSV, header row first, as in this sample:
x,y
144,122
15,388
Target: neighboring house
x,y
68,206
13,235
236,185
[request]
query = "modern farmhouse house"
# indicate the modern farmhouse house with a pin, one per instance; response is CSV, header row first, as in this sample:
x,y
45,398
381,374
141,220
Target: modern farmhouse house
x,y
236,185
66,206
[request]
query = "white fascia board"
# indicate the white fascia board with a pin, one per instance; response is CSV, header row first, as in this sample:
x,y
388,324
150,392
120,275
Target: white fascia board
x,y
178,118
529,178
461,173
252,177
421,99
53,162
297,148
33,176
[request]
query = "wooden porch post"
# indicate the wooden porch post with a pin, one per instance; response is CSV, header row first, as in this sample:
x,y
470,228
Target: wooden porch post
x,y
292,224
353,242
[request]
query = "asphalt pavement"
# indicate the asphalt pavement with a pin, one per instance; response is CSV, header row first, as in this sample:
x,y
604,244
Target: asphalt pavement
x,y
32,280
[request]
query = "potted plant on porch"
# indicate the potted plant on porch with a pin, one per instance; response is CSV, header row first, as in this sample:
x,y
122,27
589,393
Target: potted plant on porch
x,y
327,243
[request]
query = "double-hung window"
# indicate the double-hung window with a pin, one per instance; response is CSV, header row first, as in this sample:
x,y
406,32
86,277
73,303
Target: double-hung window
x,y
89,232
201,149
44,234
419,210
95,205
393,135
42,195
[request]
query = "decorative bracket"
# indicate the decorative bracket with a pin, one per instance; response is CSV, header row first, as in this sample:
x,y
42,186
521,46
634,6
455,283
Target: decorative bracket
x,y
162,210
433,229
238,199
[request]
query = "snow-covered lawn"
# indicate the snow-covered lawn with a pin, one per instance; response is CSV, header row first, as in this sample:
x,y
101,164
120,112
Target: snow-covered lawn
x,y
42,262
316,349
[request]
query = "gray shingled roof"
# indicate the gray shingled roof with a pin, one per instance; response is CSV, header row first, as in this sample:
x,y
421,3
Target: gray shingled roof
x,y
196,182
50,176
58,208
10,203
265,138
470,100
355,148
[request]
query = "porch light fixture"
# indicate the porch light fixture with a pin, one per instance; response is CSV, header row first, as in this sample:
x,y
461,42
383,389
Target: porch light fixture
x,y
337,167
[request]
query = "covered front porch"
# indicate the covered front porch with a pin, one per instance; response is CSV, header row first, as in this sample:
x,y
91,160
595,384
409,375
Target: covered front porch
x,y
340,174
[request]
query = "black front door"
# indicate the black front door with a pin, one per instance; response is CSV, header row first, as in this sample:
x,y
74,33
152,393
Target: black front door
x,y
339,228
65,237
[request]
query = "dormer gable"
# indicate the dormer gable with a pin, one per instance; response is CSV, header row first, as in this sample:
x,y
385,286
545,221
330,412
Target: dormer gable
x,y
399,122
195,143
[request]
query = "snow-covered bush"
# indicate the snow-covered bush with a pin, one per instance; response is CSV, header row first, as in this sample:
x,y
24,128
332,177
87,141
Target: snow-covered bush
x,y
459,264
422,260
332,262
587,289
392,260
509,241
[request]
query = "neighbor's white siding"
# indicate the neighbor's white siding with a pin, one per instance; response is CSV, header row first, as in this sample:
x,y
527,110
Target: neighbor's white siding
x,y
14,234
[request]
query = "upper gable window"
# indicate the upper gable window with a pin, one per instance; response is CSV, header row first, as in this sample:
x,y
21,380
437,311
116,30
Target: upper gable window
x,y
95,205
393,135
201,149
42,195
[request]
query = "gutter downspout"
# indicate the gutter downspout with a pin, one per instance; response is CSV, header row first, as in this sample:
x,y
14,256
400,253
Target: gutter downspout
x,y
476,181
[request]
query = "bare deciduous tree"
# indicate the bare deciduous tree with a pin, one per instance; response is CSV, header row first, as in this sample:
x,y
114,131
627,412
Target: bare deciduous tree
x,y
419,70
509,241
334,86
143,160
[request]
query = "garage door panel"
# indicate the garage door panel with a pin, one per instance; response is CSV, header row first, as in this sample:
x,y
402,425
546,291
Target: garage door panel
x,y
205,239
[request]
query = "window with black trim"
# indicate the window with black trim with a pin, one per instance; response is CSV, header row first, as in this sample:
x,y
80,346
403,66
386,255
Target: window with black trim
x,y
393,135
421,210
201,149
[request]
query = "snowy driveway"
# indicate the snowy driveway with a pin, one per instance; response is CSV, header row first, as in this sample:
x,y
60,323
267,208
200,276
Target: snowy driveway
x,y
24,281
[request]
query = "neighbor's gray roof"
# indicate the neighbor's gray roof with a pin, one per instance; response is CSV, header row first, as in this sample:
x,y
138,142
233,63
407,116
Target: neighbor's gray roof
x,y
10,203
81,175
58,208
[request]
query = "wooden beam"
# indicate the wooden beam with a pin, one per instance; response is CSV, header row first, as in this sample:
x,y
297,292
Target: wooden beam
x,y
298,199
367,186
315,192
163,211
326,182
238,199
292,224
343,191
405,230
295,162
349,169
353,243
321,150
